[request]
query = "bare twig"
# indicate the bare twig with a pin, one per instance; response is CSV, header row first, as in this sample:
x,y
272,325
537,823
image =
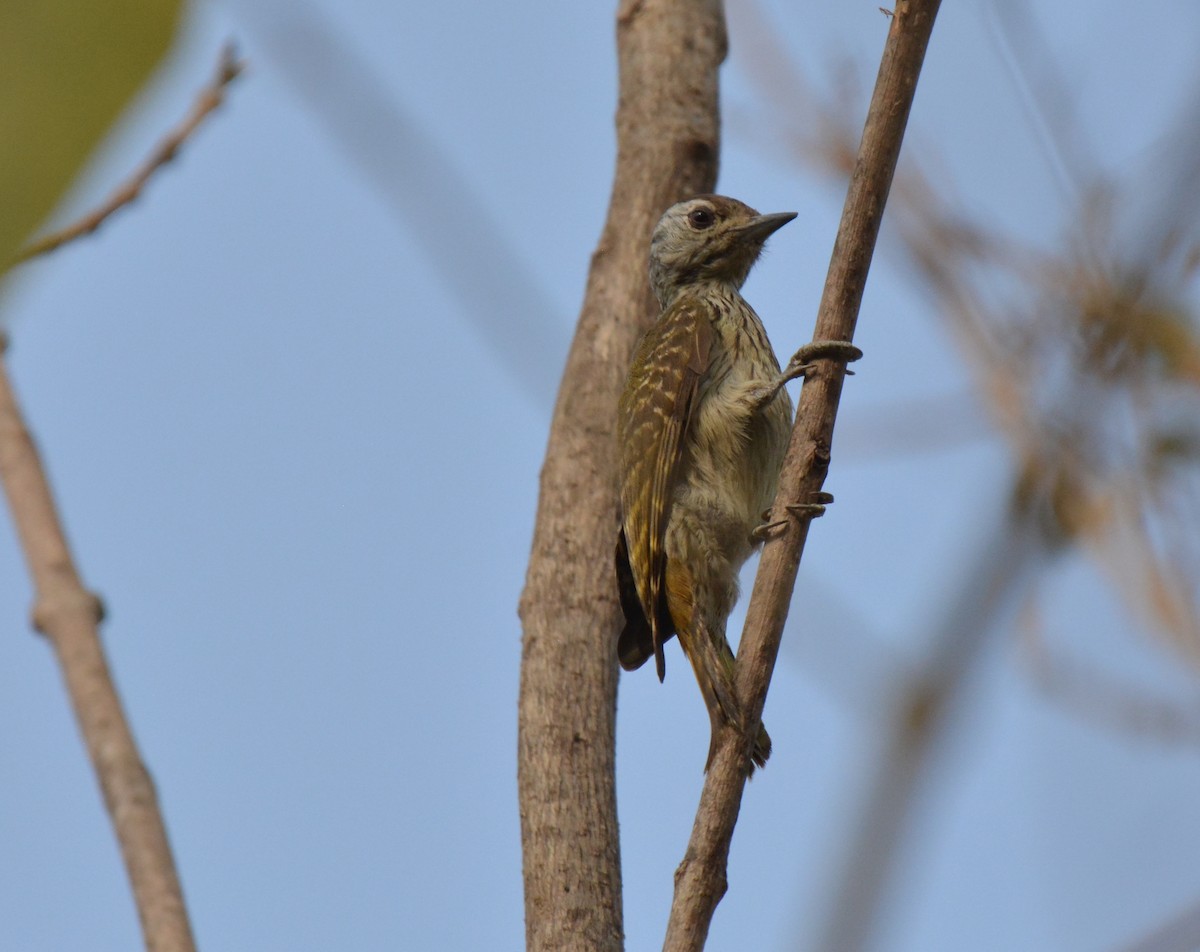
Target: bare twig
x,y
209,99
69,616
667,140
700,880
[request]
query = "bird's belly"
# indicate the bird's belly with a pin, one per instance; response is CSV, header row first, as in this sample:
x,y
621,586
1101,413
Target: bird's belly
x,y
733,471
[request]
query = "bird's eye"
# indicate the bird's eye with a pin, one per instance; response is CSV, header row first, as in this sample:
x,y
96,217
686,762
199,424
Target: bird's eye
x,y
701,218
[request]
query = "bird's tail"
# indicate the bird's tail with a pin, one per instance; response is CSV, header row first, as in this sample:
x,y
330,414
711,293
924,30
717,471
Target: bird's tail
x,y
712,661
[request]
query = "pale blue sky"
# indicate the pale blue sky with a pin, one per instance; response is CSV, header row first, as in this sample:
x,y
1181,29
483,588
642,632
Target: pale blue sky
x,y
304,482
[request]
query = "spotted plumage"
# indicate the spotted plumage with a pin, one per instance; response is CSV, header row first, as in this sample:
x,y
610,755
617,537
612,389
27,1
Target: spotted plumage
x,y
702,424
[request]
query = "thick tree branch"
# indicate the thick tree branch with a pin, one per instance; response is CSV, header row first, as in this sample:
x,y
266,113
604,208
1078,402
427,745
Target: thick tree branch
x,y
69,615
209,99
700,880
667,141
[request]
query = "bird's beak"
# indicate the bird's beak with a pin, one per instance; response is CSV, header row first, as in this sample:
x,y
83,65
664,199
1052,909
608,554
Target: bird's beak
x,y
763,226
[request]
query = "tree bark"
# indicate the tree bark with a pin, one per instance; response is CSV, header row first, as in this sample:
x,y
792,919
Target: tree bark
x,y
700,880
69,616
667,145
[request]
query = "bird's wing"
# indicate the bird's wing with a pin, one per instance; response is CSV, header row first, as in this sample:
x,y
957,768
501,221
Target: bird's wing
x,y
636,644
655,415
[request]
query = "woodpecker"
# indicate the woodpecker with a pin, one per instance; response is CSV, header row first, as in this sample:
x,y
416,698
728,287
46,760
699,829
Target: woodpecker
x,y
702,426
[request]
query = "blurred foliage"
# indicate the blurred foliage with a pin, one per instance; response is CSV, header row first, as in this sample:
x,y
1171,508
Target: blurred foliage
x,y
67,70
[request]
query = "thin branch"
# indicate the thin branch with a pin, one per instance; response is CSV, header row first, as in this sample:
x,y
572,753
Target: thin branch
x,y
667,145
972,273
69,616
700,880
209,99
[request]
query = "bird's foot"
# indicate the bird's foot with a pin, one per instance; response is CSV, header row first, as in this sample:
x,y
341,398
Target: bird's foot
x,y
803,360
762,533
800,364
800,510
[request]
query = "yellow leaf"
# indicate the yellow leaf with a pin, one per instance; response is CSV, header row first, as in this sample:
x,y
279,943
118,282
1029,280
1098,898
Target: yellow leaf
x,y
67,70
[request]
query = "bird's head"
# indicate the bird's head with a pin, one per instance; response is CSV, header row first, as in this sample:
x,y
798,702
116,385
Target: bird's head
x,y
708,238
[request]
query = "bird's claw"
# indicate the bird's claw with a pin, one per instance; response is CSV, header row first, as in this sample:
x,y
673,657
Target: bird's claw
x,y
813,509
802,361
806,510
763,532
800,510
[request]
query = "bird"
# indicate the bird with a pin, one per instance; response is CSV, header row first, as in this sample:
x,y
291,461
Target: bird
x,y
702,426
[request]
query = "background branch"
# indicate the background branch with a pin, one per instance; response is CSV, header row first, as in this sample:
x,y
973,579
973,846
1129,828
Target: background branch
x,y
422,185
924,709
1074,492
69,616
1180,934
209,99
700,881
667,146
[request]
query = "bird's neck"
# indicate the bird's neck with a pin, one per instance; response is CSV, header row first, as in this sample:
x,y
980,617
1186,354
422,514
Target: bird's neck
x,y
701,288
